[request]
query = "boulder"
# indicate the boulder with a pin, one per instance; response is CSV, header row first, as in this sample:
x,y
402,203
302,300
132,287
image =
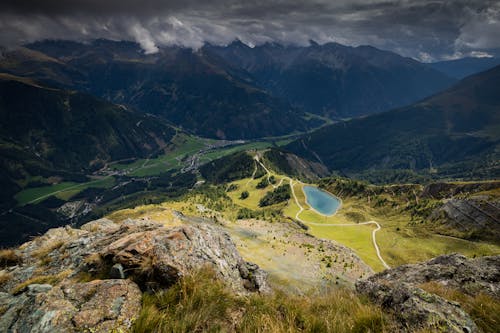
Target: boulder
x,y
417,309
453,270
96,306
121,260
397,291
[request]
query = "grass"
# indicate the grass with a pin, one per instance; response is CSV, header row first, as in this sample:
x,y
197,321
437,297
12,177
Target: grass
x,y
4,278
357,238
9,257
218,153
43,252
483,309
64,190
41,279
255,194
184,145
201,303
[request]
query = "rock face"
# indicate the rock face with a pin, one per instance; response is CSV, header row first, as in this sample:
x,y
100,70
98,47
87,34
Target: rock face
x,y
476,217
397,291
99,305
48,292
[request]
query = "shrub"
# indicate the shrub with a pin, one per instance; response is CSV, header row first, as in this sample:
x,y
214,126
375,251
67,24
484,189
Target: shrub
x,y
232,187
279,194
244,195
263,183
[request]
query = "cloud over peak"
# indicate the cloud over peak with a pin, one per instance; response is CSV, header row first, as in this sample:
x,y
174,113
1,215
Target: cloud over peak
x,y
426,29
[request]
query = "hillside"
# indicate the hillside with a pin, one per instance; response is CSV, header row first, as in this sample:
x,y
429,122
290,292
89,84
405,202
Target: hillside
x,y
452,134
335,80
47,132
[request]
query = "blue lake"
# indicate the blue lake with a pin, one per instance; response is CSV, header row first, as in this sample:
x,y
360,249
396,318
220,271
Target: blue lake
x,y
321,201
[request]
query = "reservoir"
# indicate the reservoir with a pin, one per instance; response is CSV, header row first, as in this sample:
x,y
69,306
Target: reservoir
x,y
321,201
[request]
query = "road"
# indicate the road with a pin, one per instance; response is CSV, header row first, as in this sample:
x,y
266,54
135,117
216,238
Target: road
x,y
374,232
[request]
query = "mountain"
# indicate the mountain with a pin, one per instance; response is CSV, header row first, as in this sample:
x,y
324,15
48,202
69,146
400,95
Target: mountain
x,y
234,91
192,89
335,80
50,132
460,68
455,133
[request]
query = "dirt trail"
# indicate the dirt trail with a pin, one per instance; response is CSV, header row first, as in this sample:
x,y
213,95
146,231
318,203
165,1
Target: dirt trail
x,y
374,239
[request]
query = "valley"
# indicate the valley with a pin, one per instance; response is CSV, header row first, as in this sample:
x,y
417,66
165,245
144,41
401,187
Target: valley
x,y
390,241
247,188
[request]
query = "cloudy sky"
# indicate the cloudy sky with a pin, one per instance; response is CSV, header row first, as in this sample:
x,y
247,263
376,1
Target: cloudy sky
x,y
425,29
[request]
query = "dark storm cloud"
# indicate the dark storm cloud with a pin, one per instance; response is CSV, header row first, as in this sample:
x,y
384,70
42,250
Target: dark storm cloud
x,y
427,29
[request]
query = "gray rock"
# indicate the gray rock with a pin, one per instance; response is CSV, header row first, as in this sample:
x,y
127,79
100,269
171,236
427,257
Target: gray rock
x,y
148,254
417,309
397,291
96,306
454,270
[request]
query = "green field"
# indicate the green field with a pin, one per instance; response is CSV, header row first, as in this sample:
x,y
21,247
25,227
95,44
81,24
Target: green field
x,y
183,146
64,190
221,152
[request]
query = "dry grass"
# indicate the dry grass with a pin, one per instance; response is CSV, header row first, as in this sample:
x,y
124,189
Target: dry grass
x,y
4,278
201,303
42,252
9,257
483,309
41,279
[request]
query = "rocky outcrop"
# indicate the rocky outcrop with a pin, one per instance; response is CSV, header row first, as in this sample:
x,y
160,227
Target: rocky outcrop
x,y
48,291
397,291
476,217
96,306
449,190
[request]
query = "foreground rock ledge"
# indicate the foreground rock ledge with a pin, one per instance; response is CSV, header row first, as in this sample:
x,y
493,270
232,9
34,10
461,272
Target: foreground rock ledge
x,y
46,291
397,291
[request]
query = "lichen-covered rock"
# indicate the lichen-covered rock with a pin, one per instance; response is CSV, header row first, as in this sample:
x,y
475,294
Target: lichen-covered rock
x,y
475,217
96,306
397,291
415,308
454,270
156,258
44,292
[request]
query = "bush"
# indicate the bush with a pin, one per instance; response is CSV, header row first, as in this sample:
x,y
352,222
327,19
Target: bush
x,y
232,187
280,194
263,183
244,195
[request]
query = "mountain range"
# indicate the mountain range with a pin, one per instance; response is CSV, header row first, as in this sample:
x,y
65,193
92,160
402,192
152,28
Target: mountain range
x,y
330,79
233,91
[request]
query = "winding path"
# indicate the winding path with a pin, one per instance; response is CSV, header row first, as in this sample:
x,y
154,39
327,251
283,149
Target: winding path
x,y
374,239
